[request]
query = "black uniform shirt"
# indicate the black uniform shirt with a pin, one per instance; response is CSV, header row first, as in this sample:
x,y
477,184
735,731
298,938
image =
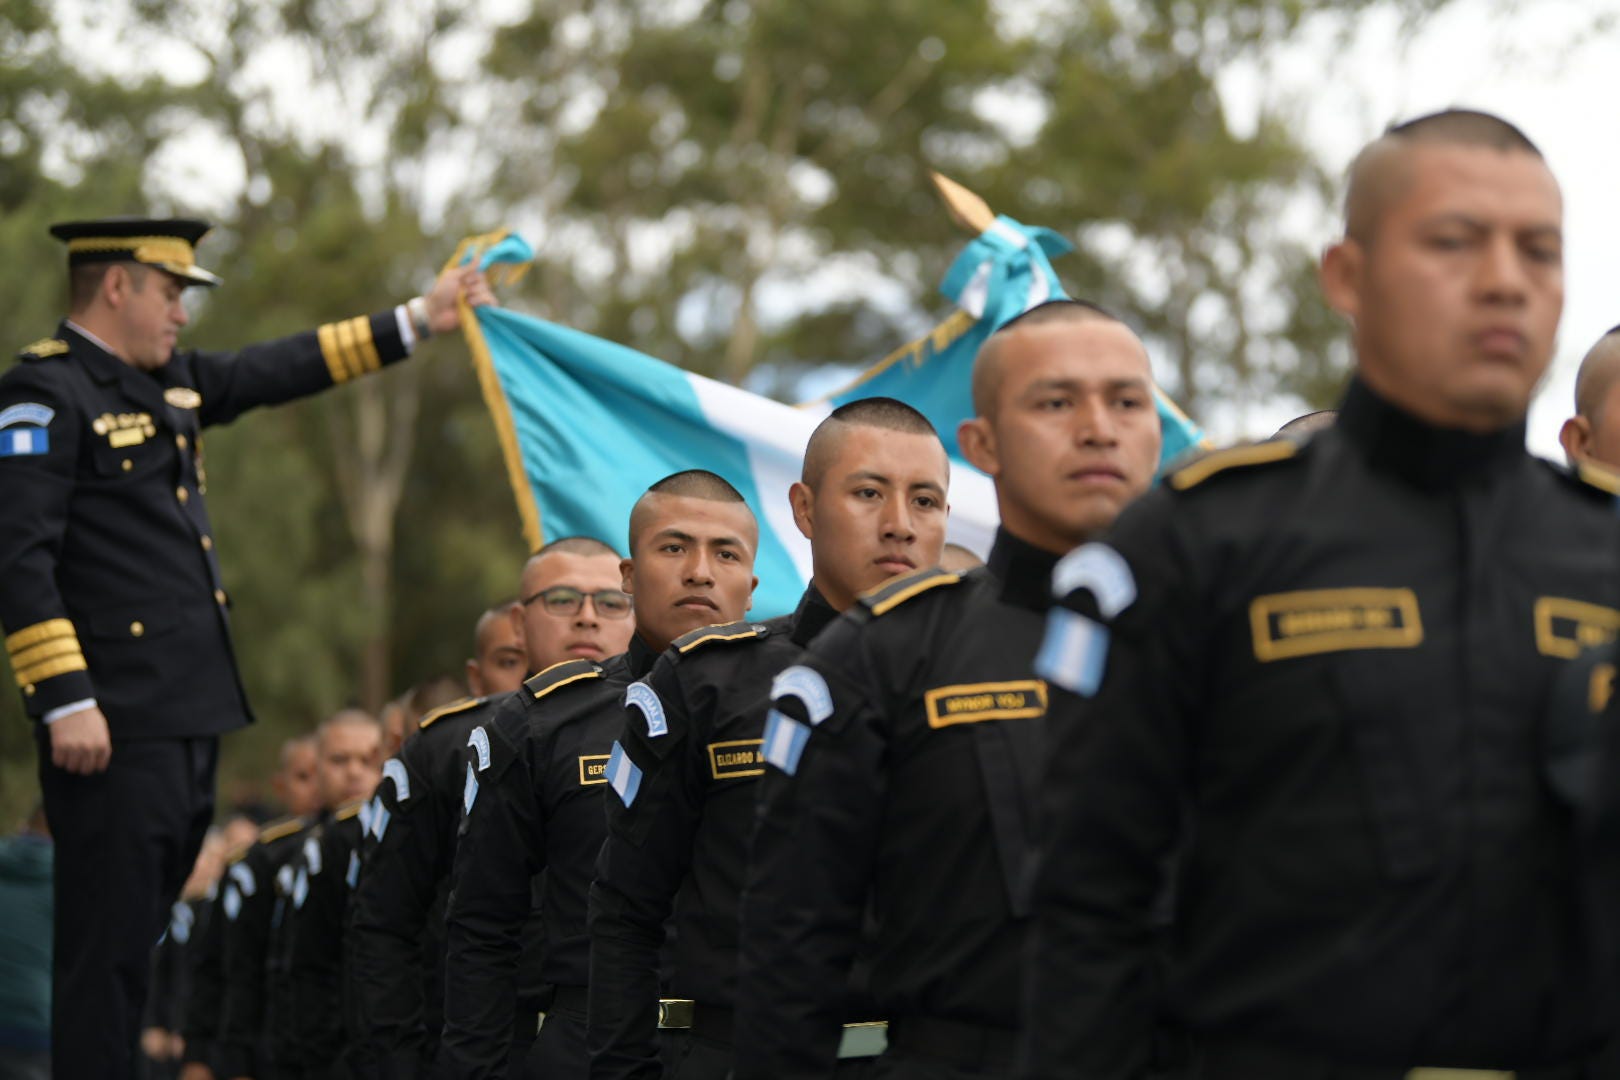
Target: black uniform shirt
x,y
901,768
247,898
199,1024
692,731
533,802
395,941
109,582
304,961
1324,687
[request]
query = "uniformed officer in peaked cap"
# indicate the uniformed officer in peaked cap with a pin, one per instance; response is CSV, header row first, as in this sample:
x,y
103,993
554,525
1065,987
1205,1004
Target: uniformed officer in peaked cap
x,y
1313,679
116,618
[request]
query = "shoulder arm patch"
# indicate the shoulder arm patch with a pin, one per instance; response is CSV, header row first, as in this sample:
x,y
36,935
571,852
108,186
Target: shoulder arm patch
x,y
44,349
733,631
559,675
1219,461
464,705
891,594
277,829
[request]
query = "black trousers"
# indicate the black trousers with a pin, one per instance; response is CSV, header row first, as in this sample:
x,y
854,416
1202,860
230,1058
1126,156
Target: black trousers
x,y
558,1049
125,839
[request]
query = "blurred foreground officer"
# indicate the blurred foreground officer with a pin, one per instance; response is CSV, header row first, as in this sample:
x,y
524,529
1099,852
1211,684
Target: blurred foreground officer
x,y
539,771
1593,433
896,811
871,500
304,958
396,938
110,590
1316,675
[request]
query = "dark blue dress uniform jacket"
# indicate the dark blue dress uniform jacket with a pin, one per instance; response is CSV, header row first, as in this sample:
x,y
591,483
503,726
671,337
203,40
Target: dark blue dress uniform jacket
x,y
109,582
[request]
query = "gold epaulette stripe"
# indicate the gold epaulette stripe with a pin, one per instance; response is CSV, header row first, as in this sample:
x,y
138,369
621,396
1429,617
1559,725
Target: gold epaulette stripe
x,y
1221,460
719,634
882,602
40,631
50,669
551,678
451,709
46,347
344,813
277,829
1599,477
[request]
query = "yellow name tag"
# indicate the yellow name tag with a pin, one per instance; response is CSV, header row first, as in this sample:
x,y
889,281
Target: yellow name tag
x,y
593,769
736,759
1314,621
970,703
125,437
1565,627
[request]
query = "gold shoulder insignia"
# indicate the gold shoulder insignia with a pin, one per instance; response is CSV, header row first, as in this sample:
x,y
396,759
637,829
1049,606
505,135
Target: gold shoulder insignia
x,y
1598,477
733,631
1260,453
45,348
277,829
344,813
559,675
450,710
891,594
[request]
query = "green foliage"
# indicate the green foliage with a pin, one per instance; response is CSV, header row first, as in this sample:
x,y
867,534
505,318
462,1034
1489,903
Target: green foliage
x,y
738,186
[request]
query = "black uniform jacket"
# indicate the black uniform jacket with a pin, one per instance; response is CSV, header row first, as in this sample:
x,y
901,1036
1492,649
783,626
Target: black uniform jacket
x,y
199,1023
533,803
1324,676
247,900
109,581
693,729
901,767
304,962
395,941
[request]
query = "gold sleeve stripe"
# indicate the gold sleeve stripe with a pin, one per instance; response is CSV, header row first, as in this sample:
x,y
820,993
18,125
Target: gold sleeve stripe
x,y
45,650
41,631
370,359
327,336
346,346
49,669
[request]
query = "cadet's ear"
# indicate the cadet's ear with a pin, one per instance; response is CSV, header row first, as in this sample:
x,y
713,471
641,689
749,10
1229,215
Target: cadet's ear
x,y
978,443
1576,436
802,499
1340,276
627,570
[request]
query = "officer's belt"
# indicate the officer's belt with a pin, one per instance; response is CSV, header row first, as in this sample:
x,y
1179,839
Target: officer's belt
x,y
955,1043
1241,1059
718,1023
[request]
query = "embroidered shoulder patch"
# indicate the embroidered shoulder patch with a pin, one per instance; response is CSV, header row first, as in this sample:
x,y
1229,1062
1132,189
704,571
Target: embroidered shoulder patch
x,y
27,412
891,594
560,675
1219,461
808,686
706,635
45,348
394,769
645,698
1291,624
464,705
1101,571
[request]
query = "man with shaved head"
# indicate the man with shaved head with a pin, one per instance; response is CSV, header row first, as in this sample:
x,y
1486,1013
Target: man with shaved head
x,y
537,770
894,818
1592,435
1312,677
570,605
871,501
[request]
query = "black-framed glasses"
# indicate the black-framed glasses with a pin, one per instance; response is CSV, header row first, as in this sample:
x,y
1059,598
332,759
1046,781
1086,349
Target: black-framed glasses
x,y
565,600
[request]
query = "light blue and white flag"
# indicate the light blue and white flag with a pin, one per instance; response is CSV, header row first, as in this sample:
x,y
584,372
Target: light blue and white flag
x,y
587,425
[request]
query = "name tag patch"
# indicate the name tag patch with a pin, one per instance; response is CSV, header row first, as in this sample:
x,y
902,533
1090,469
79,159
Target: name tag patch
x,y
972,703
736,759
1291,624
593,769
1564,627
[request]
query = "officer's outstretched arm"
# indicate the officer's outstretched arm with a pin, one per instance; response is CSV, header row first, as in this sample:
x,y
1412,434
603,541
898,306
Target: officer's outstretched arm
x,y
1112,797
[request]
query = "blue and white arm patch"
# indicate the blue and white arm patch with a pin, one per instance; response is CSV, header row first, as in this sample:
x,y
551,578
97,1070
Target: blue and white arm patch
x,y
479,741
380,817
469,791
24,441
180,920
394,769
1074,653
808,686
284,878
28,412
645,698
312,855
354,869
1100,570
785,739
623,776
367,809
300,889
242,874
231,901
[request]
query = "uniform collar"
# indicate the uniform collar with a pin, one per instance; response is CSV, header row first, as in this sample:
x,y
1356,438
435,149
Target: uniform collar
x,y
639,657
1394,441
1024,571
103,364
811,615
